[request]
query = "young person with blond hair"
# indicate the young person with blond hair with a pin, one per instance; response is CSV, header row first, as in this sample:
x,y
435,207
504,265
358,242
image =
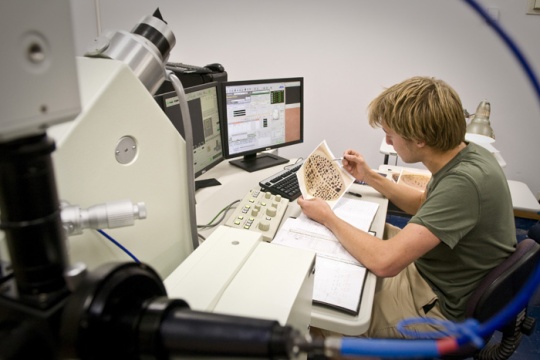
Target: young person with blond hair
x,y
462,225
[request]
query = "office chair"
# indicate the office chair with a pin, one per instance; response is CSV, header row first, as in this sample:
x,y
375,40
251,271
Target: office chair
x,y
534,232
497,289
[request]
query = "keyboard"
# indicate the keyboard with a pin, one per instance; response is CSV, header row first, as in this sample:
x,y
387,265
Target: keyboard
x,y
259,211
283,183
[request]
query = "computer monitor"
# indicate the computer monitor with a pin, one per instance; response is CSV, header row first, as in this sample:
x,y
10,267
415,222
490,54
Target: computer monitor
x,y
204,110
261,115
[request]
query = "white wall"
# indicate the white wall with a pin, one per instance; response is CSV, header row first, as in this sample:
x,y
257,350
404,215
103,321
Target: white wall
x,y
348,51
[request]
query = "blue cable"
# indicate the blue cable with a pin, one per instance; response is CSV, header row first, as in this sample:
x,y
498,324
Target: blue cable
x,y
523,297
458,334
119,245
510,43
519,302
389,348
469,330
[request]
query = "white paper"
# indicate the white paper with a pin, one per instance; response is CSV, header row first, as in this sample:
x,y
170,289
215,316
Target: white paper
x,y
338,284
306,233
339,277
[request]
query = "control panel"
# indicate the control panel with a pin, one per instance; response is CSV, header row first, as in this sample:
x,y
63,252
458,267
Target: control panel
x,y
259,211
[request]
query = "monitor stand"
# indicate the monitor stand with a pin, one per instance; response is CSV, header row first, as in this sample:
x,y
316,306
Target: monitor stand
x,y
199,184
257,162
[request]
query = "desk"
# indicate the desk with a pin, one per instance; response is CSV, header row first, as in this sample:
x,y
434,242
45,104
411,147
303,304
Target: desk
x,y
523,200
387,150
236,183
484,141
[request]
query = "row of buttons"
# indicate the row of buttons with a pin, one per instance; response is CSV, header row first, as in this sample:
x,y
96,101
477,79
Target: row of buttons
x,y
259,211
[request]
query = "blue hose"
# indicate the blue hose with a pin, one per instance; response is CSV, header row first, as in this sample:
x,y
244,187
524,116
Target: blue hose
x,y
389,348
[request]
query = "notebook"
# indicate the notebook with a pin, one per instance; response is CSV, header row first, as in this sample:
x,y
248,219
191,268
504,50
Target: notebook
x,y
339,277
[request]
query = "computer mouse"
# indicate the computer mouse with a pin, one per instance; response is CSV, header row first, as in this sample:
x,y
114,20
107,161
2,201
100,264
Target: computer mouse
x,y
215,67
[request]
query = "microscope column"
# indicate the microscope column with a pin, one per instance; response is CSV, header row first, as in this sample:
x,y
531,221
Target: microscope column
x,y
31,219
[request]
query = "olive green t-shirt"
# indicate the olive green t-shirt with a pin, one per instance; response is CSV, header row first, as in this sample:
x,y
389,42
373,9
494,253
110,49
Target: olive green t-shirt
x,y
469,208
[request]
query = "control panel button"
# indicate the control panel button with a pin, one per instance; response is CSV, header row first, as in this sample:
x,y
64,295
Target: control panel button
x,y
264,225
259,211
271,211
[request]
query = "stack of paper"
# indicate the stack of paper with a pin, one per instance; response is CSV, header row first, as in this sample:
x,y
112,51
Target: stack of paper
x,y
339,277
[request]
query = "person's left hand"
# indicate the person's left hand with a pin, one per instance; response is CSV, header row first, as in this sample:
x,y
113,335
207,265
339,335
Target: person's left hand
x,y
316,209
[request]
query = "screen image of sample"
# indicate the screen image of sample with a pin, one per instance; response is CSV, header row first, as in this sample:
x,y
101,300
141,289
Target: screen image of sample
x,y
323,177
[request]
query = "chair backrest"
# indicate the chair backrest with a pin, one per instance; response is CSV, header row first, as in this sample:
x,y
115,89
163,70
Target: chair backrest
x,y
502,284
534,232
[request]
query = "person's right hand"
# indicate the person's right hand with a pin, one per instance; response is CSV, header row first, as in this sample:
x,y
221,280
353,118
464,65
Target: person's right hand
x,y
355,164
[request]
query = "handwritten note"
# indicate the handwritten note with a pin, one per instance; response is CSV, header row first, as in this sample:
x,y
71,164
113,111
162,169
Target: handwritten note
x,y
339,277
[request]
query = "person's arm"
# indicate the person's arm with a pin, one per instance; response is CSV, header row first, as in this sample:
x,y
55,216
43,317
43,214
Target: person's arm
x,y
384,258
405,197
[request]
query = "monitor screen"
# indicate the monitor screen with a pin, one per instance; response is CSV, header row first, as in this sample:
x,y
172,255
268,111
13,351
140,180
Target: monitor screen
x,y
204,110
261,115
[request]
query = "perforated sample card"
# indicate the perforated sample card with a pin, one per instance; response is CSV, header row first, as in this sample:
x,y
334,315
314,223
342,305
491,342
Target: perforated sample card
x,y
323,177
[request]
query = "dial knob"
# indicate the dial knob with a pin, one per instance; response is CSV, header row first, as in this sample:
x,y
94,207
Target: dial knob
x,y
264,225
271,211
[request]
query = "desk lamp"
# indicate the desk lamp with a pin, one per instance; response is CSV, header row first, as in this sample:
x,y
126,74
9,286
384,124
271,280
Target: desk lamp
x,y
480,121
480,132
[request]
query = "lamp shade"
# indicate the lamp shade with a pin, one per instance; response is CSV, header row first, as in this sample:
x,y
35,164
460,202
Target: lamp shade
x,y
480,121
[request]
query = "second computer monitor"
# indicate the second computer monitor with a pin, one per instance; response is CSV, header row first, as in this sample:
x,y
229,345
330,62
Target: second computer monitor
x,y
204,110
261,115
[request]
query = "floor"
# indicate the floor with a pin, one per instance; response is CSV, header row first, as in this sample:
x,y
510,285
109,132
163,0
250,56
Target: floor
x,y
529,348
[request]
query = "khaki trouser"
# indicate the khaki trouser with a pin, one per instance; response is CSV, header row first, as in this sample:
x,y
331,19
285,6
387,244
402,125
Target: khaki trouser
x,y
404,296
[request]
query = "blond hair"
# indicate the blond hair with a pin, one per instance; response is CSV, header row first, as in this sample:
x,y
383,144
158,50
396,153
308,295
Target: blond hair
x,y
421,109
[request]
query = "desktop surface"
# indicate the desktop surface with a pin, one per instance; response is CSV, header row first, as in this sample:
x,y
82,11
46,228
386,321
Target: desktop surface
x,y
236,183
